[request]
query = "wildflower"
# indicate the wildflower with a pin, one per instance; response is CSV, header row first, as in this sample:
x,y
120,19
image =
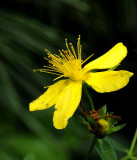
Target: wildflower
x,y
66,93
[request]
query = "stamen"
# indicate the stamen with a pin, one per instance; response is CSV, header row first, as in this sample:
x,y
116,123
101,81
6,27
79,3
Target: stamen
x,y
46,71
88,58
50,72
79,48
63,55
66,64
71,55
68,55
52,69
58,77
46,58
73,50
46,87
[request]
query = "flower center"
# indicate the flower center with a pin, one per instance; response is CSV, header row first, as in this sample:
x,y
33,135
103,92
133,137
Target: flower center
x,y
72,69
67,64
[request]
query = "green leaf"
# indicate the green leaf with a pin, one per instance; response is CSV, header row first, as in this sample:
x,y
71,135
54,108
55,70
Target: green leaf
x,y
115,129
103,111
30,157
118,143
105,150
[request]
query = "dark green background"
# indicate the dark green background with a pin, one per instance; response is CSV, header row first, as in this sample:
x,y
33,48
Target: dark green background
x,y
27,27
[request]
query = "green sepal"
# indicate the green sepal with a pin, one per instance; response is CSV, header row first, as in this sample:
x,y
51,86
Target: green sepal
x,y
105,150
115,129
91,120
112,122
103,111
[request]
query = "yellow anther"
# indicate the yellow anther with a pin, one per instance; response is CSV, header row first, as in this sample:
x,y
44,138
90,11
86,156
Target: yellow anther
x,y
79,37
103,124
45,87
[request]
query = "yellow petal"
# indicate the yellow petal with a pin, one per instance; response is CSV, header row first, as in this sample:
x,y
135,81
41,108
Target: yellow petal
x,y
112,58
108,81
49,97
67,103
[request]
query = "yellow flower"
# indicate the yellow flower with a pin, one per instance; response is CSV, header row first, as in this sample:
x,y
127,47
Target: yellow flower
x,y
66,94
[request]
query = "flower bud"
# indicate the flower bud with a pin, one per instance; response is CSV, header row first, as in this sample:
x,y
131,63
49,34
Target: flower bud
x,y
102,127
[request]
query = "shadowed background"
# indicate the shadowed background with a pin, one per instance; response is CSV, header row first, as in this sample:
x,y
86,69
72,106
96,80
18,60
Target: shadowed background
x,y
27,27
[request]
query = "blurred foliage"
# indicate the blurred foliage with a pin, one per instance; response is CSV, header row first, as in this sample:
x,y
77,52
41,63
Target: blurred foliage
x,y
27,27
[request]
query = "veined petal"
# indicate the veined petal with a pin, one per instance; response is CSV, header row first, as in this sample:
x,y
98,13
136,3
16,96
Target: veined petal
x,y
108,81
67,103
112,58
49,97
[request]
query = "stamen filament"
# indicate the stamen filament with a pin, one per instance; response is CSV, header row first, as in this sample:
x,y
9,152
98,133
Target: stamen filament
x,y
71,55
73,50
87,58
58,77
78,47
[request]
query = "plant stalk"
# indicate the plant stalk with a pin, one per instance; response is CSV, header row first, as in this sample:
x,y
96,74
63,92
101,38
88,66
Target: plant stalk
x,y
133,143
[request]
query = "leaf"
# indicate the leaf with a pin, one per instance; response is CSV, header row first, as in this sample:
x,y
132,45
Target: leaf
x,y
115,129
105,150
112,122
103,111
91,120
118,143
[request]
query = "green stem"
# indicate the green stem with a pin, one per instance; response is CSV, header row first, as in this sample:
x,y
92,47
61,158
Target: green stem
x,y
133,143
125,158
90,99
91,148
130,153
129,158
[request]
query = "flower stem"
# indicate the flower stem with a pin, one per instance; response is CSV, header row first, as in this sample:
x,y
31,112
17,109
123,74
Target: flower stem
x,y
91,148
90,99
